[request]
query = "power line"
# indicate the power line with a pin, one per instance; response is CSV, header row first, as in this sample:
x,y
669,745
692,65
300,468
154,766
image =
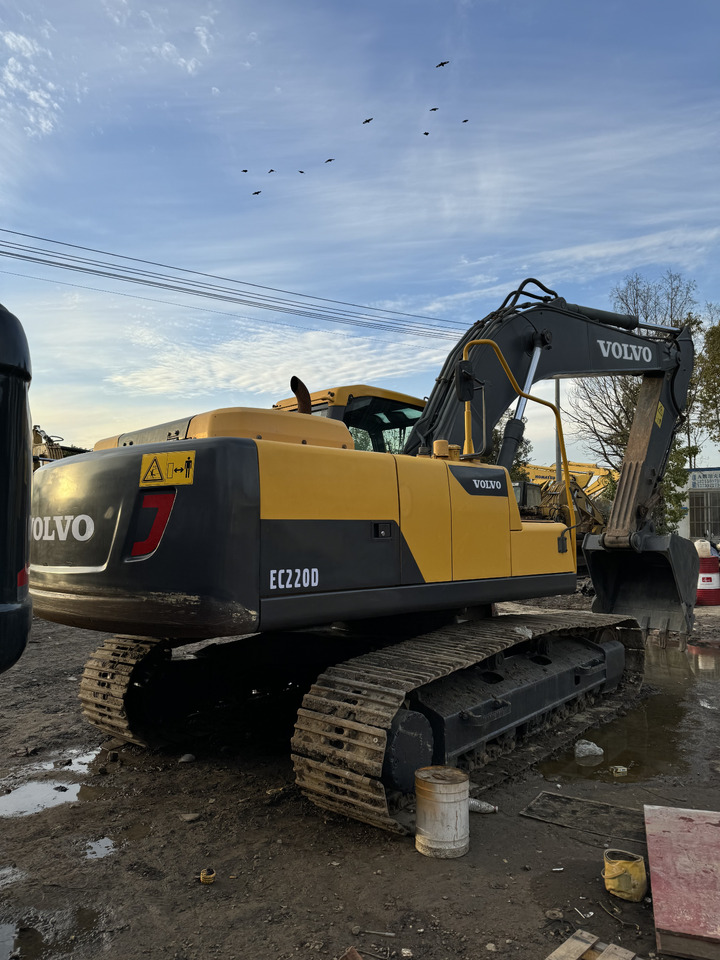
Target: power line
x,y
311,307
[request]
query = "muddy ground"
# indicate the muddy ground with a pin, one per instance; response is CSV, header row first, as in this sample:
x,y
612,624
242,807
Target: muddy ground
x,y
108,863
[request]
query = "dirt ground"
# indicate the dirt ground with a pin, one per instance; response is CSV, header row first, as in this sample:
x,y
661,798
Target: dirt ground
x,y
111,868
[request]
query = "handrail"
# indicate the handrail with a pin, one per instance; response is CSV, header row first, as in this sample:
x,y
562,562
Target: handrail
x,y
468,445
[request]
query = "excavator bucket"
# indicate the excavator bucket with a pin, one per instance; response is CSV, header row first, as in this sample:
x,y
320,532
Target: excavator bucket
x,y
656,585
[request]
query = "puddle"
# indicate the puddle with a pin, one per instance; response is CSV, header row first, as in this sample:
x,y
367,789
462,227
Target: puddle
x,y
9,875
53,935
74,761
651,739
35,796
96,849
7,939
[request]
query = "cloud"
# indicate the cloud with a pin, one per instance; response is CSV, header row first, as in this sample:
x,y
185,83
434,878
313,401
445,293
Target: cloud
x,y
26,91
22,45
169,52
239,364
681,247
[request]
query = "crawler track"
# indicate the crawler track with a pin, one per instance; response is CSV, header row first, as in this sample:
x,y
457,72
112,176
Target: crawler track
x,y
341,732
108,680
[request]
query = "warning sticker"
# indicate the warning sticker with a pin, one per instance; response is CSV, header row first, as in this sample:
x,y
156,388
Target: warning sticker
x,y
161,469
659,414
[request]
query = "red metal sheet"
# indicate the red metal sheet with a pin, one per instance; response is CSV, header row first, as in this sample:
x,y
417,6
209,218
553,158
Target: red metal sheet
x,y
684,860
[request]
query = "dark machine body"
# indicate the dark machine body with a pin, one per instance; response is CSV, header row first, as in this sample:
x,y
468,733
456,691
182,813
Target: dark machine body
x,y
259,522
15,479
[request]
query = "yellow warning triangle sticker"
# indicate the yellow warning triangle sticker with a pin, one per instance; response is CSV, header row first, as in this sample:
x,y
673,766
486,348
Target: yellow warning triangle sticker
x,y
153,472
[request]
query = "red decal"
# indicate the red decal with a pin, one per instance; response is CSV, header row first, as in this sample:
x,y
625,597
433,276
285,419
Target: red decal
x,y
22,577
162,503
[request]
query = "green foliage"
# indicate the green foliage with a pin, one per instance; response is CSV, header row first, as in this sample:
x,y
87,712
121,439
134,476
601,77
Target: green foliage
x,y
707,369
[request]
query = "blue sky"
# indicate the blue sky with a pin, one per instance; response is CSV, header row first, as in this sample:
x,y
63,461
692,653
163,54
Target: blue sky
x,y
590,152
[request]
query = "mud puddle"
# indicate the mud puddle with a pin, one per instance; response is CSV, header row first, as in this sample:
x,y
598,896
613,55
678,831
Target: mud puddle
x,y
48,783
653,739
46,936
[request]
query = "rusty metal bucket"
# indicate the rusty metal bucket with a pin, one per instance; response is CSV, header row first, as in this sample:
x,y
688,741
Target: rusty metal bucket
x,y
657,585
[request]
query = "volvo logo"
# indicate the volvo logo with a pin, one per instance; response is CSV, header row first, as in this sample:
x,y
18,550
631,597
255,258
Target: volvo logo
x,y
79,528
625,351
487,484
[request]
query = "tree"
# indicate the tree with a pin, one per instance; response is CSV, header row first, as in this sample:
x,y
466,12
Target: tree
x,y
708,369
602,409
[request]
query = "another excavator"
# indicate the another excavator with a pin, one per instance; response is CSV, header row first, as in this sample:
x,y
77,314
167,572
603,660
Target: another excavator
x,y
15,481
270,525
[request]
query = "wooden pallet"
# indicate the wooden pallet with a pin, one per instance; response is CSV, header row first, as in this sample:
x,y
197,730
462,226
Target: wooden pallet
x,y
584,946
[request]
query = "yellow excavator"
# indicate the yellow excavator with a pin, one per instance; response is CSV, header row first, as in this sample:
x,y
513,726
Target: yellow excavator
x,y
365,524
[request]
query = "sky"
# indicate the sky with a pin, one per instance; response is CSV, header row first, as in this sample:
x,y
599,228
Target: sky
x,y
566,140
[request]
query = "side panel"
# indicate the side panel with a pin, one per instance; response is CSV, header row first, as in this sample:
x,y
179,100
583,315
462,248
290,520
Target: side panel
x,y
425,518
329,520
535,549
480,522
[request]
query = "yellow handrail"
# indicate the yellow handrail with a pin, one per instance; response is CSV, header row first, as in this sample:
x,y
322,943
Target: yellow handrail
x,y
468,445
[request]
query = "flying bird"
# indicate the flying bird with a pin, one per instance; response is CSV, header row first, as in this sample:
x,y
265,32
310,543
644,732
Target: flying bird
x,y
330,160
368,120
427,133
443,63
464,121
301,171
271,170
257,192
244,171
433,109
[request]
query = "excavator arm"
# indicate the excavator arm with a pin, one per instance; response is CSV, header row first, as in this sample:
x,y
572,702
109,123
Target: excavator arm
x,y
552,338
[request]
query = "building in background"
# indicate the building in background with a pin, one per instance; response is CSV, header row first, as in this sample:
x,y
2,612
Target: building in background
x,y
702,515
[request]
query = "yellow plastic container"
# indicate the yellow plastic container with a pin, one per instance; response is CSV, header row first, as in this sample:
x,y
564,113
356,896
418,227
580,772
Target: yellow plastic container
x,y
625,875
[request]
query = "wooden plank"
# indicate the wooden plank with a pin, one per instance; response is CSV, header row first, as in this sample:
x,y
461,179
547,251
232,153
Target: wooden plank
x,y
615,952
684,859
592,949
574,947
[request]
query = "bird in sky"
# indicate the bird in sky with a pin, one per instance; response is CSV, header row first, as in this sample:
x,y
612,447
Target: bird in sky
x,y
244,171
271,170
330,160
433,109
443,63
301,171
257,192
368,120
427,133
464,121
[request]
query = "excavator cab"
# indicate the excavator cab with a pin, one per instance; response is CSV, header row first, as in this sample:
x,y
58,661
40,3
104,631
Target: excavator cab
x,y
378,420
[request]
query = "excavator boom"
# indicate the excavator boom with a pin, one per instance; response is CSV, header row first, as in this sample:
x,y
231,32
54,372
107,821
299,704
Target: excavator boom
x,y
634,570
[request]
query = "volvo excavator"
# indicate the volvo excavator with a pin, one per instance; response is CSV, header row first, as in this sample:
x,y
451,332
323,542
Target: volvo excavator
x,y
15,478
272,526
